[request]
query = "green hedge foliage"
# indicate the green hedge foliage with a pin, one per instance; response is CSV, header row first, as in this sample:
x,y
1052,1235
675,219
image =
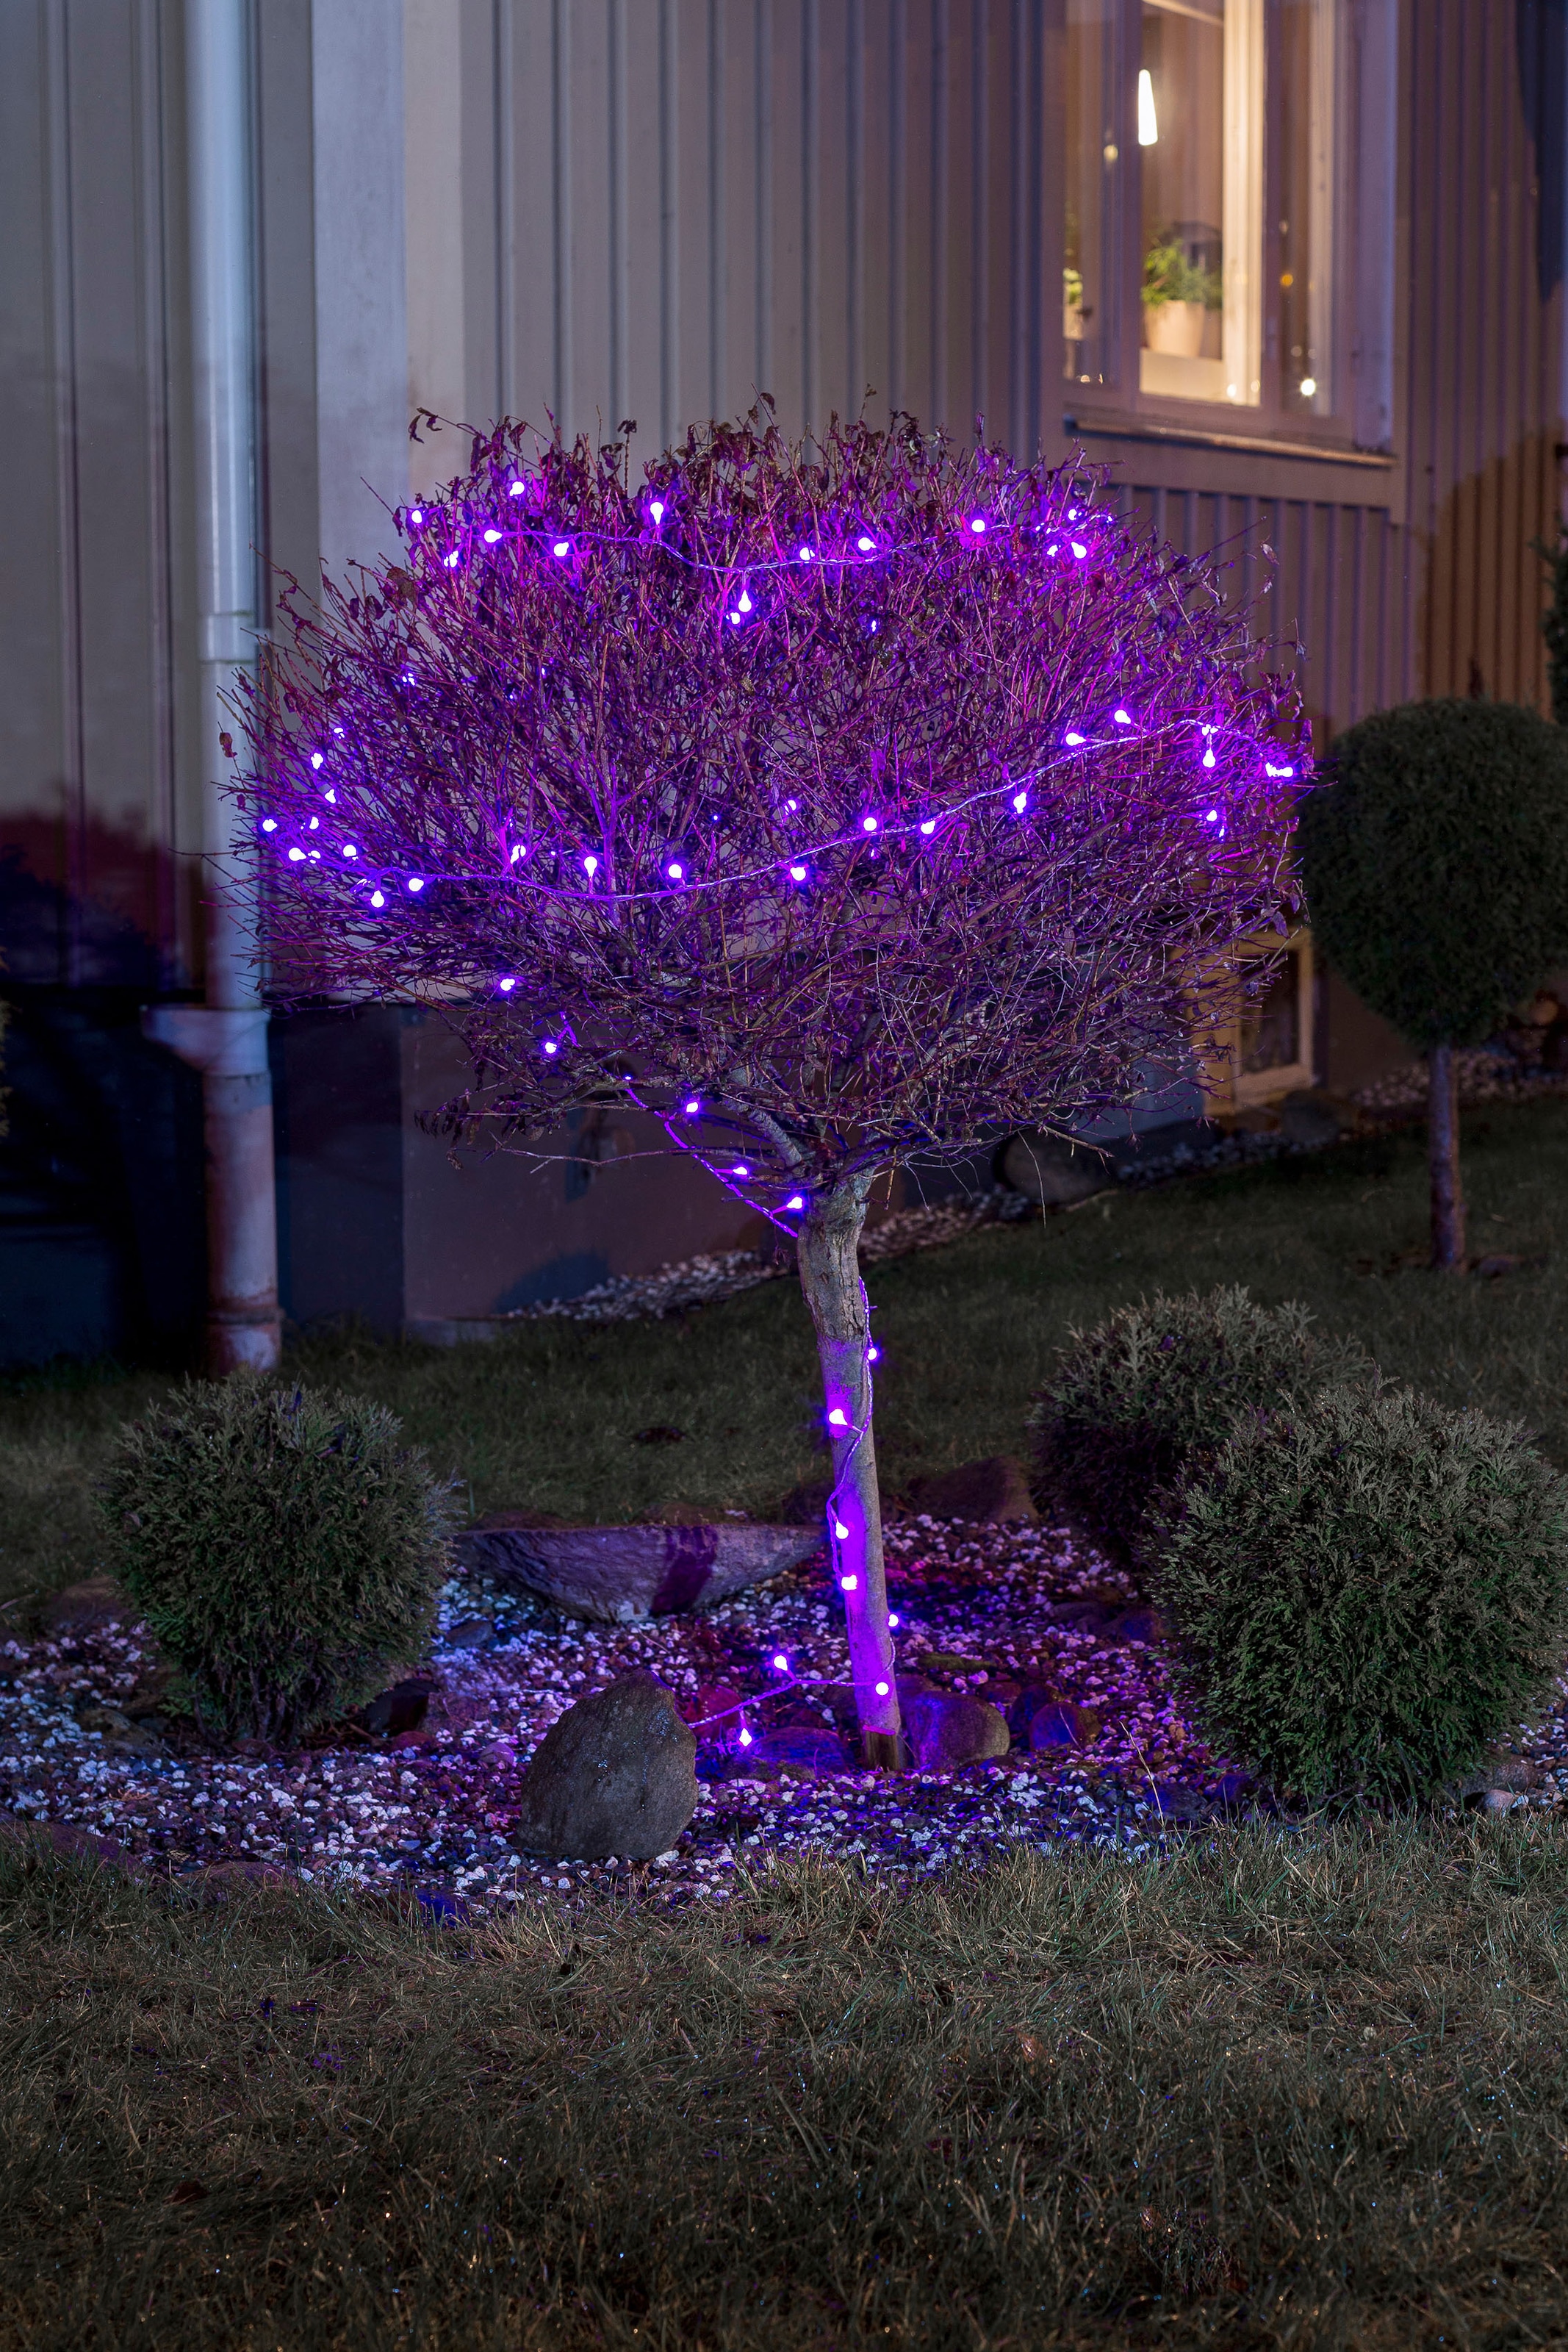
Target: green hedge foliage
x,y
1132,1405
1434,857
1368,1589
286,1551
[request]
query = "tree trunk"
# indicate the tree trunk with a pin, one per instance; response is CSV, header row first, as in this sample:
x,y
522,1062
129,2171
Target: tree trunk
x,y
1443,1159
829,1277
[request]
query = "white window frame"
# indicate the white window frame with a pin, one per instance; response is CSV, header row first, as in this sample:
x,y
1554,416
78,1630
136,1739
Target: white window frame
x,y
1353,186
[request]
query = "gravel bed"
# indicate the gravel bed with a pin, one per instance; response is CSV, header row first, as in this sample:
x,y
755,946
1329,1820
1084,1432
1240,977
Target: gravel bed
x,y
1486,1074
723,1274
977,1610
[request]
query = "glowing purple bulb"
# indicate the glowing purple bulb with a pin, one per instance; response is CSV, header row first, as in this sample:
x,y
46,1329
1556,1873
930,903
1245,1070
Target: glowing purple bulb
x,y
865,545
873,1355
745,1736
550,1046
591,866
562,548
893,1620
519,849
516,489
735,620
781,1661
744,601
491,536
797,874
451,561
868,824
838,1418
317,758
693,1107
269,824
1073,736
849,1583
675,870
378,898
929,827
1020,802
881,1690
656,509
416,514
1211,816
1122,718
796,1201
349,850
1079,549
1208,757
297,857
331,795
1269,769
977,524
315,824
806,556
507,986
843,1535
741,1169
416,882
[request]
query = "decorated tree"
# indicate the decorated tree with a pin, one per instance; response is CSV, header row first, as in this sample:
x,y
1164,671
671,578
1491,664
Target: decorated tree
x,y
1436,866
836,807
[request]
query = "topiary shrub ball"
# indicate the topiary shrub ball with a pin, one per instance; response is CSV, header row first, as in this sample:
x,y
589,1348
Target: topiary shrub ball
x,y
1434,859
284,1549
1134,1402
1368,1589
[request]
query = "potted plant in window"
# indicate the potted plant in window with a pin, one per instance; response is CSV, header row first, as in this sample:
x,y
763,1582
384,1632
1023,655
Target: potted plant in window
x,y
1177,293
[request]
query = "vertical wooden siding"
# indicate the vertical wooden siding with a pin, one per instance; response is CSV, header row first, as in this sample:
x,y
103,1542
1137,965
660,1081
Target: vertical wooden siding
x,y
88,678
819,199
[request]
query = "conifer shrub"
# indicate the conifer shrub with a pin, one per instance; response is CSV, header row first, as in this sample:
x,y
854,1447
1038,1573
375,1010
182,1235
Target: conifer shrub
x,y
282,1546
1132,1404
1367,1588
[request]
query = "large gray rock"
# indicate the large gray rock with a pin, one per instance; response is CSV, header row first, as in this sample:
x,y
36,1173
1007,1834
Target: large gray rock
x,y
617,1574
945,1730
1055,1173
615,1775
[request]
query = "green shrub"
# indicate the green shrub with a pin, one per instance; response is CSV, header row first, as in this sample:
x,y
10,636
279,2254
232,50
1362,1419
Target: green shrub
x,y
282,1548
1132,1403
1435,863
1366,1589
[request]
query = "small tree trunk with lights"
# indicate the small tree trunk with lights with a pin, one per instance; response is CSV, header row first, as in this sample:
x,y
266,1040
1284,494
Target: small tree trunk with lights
x,y
829,1277
1443,1159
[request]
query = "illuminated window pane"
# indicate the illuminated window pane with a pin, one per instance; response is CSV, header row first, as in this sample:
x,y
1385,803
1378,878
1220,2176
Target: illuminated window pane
x,y
1201,139
1306,188
1089,306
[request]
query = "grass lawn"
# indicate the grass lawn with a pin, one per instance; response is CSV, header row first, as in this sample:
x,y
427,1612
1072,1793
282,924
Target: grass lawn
x,y
549,1417
1274,2091
1279,2090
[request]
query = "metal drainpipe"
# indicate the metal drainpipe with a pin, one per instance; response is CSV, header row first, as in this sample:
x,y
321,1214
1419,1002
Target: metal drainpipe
x,y
225,1038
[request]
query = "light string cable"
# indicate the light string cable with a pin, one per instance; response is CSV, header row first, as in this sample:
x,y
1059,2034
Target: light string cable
x,y
872,830
837,1533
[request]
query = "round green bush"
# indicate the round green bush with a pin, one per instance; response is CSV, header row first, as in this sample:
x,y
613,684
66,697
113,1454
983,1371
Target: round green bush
x,y
1132,1403
286,1551
1434,859
1366,1587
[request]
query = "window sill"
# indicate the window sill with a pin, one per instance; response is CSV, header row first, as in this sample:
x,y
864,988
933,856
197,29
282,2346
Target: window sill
x,y
1203,437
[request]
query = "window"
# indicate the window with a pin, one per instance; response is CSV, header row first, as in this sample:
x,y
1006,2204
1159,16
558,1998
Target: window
x,y
1199,229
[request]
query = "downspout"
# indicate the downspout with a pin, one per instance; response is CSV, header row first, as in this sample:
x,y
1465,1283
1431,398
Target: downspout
x,y
225,1038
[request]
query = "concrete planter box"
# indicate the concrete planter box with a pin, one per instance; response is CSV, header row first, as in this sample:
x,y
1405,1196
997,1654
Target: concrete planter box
x,y
615,1575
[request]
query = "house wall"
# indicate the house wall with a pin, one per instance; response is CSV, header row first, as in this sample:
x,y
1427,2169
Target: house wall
x,y
651,209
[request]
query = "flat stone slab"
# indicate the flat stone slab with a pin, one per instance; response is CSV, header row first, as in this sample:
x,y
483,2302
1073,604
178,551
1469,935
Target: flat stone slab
x,y
615,1575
